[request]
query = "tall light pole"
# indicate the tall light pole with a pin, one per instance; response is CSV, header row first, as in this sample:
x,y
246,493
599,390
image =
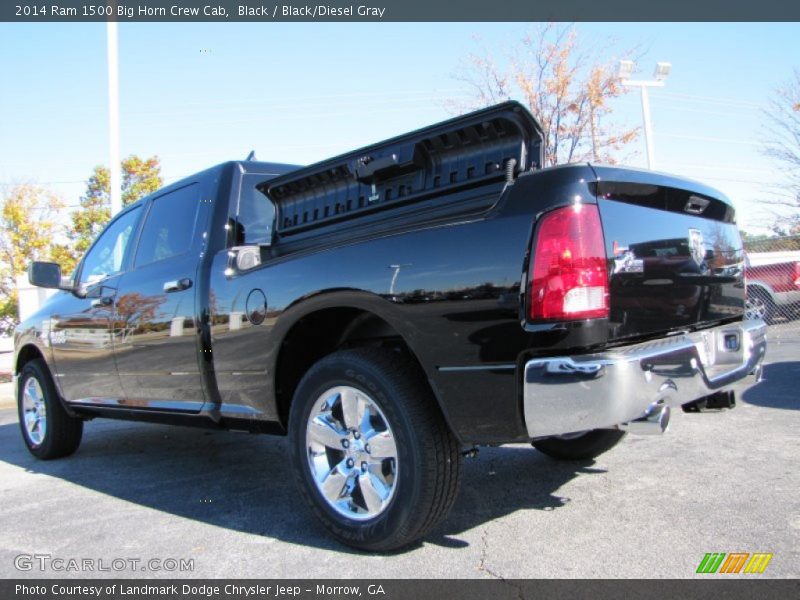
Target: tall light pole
x,y
115,171
660,76
394,277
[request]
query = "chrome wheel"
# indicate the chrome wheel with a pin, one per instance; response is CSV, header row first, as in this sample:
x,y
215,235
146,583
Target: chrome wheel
x,y
34,411
755,307
351,453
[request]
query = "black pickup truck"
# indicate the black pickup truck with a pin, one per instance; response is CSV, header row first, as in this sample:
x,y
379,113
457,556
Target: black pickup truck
x,y
394,307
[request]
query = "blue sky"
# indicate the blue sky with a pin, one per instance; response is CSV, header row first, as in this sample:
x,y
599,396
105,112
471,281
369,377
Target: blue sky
x,y
198,94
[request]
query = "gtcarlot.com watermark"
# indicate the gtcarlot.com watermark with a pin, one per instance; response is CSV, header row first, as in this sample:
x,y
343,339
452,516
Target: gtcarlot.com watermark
x,y
60,564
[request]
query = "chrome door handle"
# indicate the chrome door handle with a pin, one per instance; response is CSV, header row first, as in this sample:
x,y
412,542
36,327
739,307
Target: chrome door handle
x,y
178,285
103,302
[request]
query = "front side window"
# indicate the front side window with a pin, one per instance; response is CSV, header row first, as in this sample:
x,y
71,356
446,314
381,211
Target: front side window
x,y
169,226
106,256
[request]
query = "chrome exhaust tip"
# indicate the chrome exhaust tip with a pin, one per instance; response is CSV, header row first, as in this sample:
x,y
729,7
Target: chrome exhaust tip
x,y
655,422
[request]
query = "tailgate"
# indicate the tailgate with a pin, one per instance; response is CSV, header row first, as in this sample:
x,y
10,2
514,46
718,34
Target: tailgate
x,y
675,252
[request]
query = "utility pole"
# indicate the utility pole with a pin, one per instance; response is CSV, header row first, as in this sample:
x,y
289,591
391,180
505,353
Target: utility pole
x,y
115,171
662,71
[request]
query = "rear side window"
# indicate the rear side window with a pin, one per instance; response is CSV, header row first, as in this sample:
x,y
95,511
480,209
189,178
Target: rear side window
x,y
169,227
256,214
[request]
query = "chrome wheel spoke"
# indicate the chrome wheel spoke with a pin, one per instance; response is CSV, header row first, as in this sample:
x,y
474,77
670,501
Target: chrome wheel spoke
x,y
324,430
333,484
353,408
30,421
373,491
381,445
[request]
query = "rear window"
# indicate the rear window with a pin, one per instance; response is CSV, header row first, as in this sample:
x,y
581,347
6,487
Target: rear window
x,y
662,248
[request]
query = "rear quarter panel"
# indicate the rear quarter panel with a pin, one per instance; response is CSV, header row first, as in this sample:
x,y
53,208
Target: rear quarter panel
x,y
452,290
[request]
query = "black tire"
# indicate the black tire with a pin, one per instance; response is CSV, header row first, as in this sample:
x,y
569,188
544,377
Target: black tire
x,y
759,304
428,457
589,445
61,434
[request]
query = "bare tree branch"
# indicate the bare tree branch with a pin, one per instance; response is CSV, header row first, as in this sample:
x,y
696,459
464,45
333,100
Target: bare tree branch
x,y
569,92
781,143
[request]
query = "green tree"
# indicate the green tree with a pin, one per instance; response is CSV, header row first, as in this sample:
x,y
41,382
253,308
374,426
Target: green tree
x,y
28,229
31,230
568,89
140,177
94,213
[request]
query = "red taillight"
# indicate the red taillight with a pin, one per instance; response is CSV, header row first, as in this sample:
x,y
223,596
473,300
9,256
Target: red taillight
x,y
797,274
569,277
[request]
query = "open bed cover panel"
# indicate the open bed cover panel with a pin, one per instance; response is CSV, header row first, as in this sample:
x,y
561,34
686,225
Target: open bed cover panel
x,y
466,152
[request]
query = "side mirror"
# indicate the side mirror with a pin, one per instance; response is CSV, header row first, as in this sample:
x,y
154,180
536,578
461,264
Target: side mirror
x,y
47,275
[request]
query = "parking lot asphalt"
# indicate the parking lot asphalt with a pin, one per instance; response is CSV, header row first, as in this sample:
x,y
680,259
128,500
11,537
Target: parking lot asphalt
x,y
720,481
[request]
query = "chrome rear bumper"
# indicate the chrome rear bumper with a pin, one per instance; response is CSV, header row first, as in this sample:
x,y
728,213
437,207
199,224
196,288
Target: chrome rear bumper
x,y
568,394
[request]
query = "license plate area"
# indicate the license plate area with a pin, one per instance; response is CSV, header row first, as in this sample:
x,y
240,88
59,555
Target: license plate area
x,y
720,350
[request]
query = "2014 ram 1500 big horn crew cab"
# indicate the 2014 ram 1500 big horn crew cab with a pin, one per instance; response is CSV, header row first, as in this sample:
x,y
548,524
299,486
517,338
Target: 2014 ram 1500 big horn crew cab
x,y
392,307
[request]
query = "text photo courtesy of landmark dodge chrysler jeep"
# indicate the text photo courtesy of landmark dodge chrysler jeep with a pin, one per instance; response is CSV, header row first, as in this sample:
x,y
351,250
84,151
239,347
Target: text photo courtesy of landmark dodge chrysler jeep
x,y
392,308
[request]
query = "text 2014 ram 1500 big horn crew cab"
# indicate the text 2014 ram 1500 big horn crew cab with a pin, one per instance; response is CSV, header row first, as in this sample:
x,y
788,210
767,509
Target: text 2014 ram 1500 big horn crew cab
x,y
393,307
